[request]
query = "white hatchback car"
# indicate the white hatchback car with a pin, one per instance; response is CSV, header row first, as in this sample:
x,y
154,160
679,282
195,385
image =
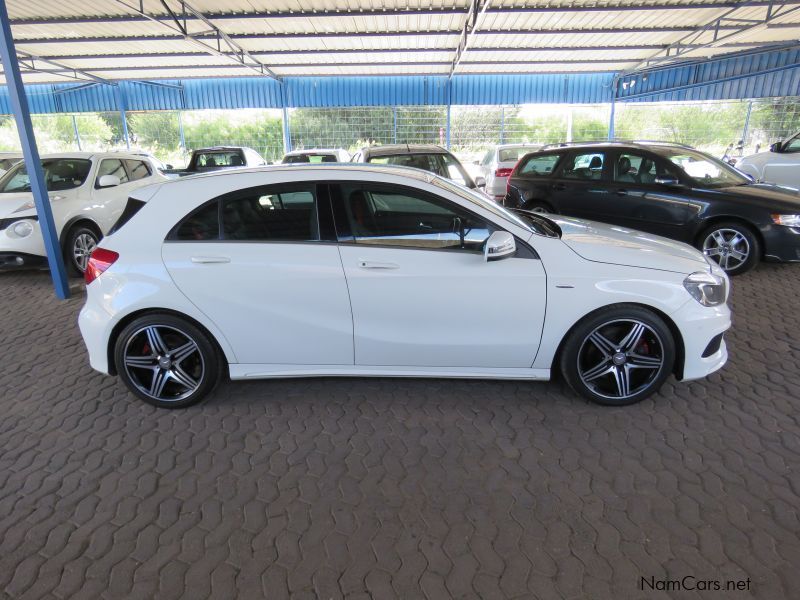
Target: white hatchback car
x,y
497,164
781,165
301,271
87,191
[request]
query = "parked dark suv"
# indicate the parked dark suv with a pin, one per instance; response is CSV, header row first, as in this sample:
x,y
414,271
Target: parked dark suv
x,y
666,189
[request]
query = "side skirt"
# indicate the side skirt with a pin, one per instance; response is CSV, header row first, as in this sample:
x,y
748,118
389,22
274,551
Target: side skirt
x,y
256,371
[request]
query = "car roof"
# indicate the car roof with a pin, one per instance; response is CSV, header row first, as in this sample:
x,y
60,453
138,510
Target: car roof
x,y
400,149
93,155
525,145
221,148
315,151
653,146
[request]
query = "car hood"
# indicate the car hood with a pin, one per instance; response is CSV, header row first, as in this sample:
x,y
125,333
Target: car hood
x,y
765,195
617,245
9,203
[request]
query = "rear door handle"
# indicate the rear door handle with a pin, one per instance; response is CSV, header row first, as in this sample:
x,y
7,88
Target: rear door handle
x,y
208,260
368,264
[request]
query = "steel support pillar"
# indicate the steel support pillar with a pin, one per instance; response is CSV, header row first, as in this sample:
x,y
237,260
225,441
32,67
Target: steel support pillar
x,y
611,126
180,130
22,115
122,113
502,124
394,126
77,133
746,129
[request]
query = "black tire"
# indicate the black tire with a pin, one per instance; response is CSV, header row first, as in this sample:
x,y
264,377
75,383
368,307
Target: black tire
x,y
78,245
539,206
172,366
709,242
582,362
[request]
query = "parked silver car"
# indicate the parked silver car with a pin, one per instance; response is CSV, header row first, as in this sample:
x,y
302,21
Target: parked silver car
x,y
497,164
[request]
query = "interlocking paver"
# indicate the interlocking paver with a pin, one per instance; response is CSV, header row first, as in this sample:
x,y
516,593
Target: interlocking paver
x,y
380,488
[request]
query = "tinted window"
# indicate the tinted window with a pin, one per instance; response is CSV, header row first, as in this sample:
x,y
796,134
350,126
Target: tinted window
x,y
513,154
584,166
636,168
5,163
202,225
426,162
280,216
111,166
138,169
59,174
212,160
539,165
453,170
793,145
705,170
401,217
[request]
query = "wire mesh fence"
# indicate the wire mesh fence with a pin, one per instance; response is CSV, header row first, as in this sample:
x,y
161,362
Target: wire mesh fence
x,y
171,135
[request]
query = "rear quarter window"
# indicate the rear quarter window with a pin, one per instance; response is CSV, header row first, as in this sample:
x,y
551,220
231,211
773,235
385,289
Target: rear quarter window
x,y
540,165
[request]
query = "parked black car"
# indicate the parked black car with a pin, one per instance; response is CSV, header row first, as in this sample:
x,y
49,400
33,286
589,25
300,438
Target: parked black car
x,y
666,189
420,156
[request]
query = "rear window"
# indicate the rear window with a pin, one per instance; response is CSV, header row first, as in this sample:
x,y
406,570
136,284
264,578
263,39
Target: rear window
x,y
311,158
537,164
212,160
426,162
512,154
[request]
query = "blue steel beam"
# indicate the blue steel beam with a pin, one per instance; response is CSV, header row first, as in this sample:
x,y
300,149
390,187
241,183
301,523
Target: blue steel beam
x,y
122,106
22,115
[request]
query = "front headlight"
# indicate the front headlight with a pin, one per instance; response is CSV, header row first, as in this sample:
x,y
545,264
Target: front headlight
x,y
22,228
788,220
706,288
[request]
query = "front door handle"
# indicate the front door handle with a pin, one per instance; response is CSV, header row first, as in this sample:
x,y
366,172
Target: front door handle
x,y
622,192
209,260
368,264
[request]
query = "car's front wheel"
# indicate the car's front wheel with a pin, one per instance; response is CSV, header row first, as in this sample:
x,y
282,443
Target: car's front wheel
x,y
81,241
167,361
732,245
618,356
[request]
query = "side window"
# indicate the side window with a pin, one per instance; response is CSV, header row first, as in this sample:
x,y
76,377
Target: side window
x,y
111,166
409,219
793,145
540,165
636,168
454,170
286,215
487,158
200,226
588,166
138,169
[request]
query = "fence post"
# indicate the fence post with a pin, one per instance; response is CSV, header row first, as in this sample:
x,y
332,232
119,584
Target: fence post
x,y
746,129
502,124
77,135
180,130
394,127
611,126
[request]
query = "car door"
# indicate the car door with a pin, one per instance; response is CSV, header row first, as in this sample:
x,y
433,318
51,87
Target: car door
x,y
107,203
422,293
580,184
638,201
263,266
783,167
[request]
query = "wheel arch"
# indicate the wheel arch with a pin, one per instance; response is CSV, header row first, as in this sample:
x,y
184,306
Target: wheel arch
x,y
78,220
680,352
127,319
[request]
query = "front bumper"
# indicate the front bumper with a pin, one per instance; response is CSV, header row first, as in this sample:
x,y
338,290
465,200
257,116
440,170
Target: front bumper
x,y
699,325
11,261
22,253
781,243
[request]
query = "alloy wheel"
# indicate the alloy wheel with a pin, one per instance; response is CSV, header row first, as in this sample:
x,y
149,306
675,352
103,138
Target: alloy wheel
x,y
164,363
620,359
82,249
727,247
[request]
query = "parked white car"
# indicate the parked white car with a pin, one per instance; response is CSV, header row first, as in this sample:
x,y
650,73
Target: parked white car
x,y
497,164
88,192
301,271
781,165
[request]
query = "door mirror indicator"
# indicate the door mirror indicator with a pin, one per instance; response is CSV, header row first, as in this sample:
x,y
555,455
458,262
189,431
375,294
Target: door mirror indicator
x,y
500,245
107,181
669,181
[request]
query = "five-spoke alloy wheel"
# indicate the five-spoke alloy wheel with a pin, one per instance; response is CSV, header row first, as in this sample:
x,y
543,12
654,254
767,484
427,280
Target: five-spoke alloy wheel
x,y
81,240
733,246
618,356
167,361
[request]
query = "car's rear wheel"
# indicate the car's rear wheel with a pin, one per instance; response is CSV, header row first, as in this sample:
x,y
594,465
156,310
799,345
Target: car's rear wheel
x,y
618,356
167,361
732,245
81,241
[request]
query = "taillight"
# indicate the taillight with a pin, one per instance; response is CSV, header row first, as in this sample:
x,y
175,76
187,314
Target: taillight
x,y
503,172
99,261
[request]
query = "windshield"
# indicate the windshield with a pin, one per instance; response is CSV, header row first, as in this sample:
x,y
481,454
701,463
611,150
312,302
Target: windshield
x,y
515,153
482,201
213,160
705,170
59,174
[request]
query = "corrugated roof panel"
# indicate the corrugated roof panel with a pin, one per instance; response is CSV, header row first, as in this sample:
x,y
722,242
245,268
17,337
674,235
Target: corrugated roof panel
x,y
522,89
244,92
358,91
40,99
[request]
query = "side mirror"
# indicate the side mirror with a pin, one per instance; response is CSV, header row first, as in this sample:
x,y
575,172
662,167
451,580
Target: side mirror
x,y
775,147
476,162
500,245
669,181
480,182
107,181
168,166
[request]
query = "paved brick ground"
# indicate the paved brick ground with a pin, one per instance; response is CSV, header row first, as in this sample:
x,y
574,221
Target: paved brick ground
x,y
385,488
